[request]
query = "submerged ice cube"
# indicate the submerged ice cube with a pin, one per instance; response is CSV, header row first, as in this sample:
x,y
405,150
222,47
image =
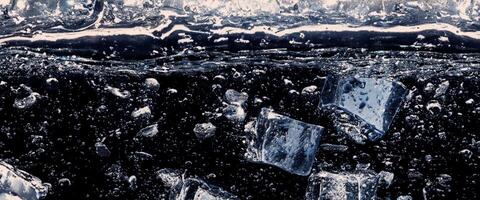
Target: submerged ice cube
x,y
360,185
364,107
284,142
191,188
18,184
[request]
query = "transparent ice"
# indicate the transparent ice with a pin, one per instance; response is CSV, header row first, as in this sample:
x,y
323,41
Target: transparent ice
x,y
363,107
359,185
18,184
182,188
284,142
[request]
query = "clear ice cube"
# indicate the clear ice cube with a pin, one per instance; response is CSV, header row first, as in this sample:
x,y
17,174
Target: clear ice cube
x,y
364,107
19,184
191,188
284,142
360,185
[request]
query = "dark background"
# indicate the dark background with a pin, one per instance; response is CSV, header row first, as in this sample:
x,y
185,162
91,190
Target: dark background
x,y
75,113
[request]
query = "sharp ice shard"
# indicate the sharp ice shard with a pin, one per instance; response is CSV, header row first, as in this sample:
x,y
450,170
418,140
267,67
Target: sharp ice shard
x,y
18,184
191,188
363,107
284,142
361,185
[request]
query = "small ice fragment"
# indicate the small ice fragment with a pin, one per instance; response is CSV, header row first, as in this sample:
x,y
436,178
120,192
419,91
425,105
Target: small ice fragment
x,y
102,150
429,87
170,177
287,82
363,108
235,110
443,39
191,188
360,185
172,91
117,92
142,112
442,89
385,178
434,107
27,101
152,84
149,131
405,197
234,113
18,184
309,90
64,182
283,142
132,181
235,97
204,130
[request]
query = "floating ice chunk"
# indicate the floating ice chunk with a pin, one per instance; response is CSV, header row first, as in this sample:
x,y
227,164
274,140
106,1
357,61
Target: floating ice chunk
x,y
364,107
190,188
152,84
360,185
385,178
27,101
132,181
149,131
170,177
172,91
204,130
117,92
309,90
102,150
235,110
234,113
235,97
145,111
283,142
442,89
18,184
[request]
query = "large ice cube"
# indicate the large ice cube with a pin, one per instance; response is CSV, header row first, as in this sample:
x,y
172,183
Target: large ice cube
x,y
191,188
20,184
364,107
360,185
283,142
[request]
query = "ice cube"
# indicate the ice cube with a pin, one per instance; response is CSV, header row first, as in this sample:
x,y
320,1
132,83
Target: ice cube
x,y
363,107
359,185
141,112
235,110
204,130
102,150
117,92
284,142
26,102
191,188
18,184
149,131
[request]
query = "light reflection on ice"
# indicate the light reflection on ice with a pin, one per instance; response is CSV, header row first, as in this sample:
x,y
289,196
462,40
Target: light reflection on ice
x,y
284,142
364,108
